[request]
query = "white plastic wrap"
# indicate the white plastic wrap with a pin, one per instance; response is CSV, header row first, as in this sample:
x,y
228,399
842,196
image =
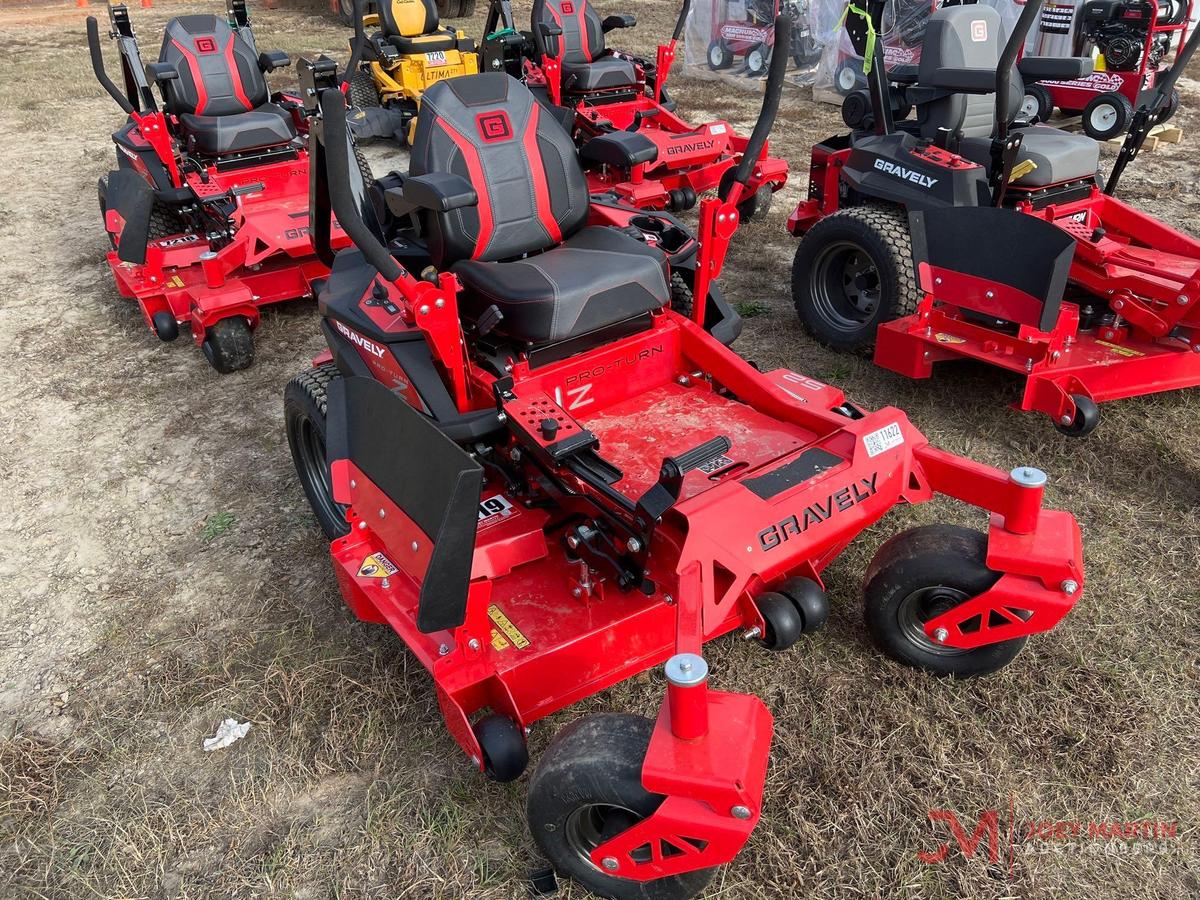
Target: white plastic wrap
x,y
733,40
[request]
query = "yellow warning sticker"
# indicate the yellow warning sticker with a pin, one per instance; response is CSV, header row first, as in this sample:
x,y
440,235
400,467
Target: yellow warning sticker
x,y
176,281
376,566
1121,351
942,338
505,632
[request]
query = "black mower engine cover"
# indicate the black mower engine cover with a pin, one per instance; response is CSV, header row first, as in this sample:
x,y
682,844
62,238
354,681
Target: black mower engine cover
x,y
902,169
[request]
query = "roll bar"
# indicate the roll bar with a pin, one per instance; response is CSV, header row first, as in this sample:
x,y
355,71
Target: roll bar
x,y
1008,59
335,141
356,46
93,34
770,104
681,22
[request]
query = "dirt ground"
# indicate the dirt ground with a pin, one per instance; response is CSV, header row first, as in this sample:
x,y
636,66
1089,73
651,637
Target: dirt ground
x,y
160,571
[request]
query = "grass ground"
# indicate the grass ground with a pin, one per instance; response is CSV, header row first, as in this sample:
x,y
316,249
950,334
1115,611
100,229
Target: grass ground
x,y
159,571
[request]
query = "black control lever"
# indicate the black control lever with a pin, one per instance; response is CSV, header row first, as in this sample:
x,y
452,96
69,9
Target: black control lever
x,y
653,504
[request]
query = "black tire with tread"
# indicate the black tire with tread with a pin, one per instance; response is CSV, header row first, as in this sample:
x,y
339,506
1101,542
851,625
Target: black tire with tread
x,y
946,556
882,233
306,404
1045,102
456,9
725,59
505,755
229,345
682,300
363,94
1123,107
598,760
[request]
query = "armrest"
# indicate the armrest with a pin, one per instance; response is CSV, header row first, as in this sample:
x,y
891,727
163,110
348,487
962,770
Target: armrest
x,y
549,33
272,60
440,192
619,148
611,23
161,72
1054,68
965,81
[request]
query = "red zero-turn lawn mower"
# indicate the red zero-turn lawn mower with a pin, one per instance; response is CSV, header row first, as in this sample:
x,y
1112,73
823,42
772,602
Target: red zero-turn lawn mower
x,y
564,58
546,480
207,210
1132,37
959,234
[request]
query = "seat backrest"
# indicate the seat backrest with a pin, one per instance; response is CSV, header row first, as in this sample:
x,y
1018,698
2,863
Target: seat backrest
x,y
218,71
408,18
491,131
963,37
582,37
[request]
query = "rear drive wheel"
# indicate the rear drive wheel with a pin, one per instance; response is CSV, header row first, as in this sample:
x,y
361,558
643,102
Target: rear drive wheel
x,y
1172,107
102,197
587,789
919,575
1107,116
362,90
1037,105
229,345
456,9
719,55
305,405
854,271
345,12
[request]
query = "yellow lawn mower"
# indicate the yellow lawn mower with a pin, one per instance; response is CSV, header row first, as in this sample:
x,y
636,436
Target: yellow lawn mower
x,y
392,66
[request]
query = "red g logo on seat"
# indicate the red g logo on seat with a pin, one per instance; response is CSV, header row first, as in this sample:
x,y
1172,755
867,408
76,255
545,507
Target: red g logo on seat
x,y
206,45
494,126
568,8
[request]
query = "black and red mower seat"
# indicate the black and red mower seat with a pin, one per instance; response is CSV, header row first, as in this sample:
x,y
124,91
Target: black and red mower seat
x,y
412,26
524,248
972,37
586,66
220,94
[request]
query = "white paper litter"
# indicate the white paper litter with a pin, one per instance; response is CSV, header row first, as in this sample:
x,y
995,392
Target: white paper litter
x,y
227,732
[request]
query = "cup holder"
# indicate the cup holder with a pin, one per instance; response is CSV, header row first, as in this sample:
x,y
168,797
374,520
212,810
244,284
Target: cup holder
x,y
666,234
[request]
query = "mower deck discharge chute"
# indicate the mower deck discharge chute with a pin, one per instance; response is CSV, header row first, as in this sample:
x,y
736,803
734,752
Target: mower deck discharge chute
x,y
651,158
546,479
207,210
961,233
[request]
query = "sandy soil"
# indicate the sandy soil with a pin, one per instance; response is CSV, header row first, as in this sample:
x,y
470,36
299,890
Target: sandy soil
x,y
159,571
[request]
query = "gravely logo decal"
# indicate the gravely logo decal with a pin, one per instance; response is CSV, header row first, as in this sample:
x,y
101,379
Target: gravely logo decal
x,y
907,174
355,338
693,147
837,502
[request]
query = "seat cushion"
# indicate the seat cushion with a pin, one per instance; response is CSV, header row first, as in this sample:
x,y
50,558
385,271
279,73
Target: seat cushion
x,y
1060,156
267,126
598,277
605,72
425,43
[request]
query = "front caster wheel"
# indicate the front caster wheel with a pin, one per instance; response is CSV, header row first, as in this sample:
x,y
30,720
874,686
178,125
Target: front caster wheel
x,y
810,601
919,575
587,789
165,325
229,345
504,752
1085,420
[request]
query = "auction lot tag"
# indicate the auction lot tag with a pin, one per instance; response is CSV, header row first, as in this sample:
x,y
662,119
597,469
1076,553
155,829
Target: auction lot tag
x,y
884,439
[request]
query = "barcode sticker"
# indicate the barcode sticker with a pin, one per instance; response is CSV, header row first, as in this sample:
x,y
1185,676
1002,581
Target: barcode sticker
x,y
884,439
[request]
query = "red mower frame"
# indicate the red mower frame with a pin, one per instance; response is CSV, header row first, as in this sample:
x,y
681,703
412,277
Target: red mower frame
x,y
690,160
247,242
572,586
1116,315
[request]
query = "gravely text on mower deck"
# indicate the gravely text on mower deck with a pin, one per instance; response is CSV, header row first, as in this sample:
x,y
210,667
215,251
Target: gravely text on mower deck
x,y
546,479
